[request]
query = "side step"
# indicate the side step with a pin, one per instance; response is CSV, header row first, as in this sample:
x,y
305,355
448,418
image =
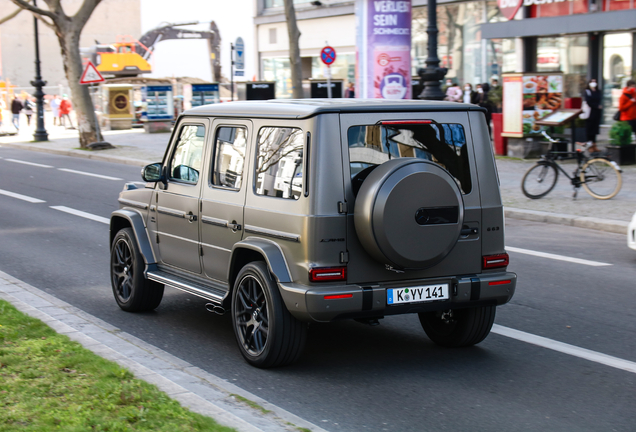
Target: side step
x,y
214,295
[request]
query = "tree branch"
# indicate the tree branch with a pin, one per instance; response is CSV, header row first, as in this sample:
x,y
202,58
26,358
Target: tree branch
x,y
84,13
11,15
35,10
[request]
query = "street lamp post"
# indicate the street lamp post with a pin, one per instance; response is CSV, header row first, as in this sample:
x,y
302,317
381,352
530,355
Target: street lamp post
x,y
40,133
432,74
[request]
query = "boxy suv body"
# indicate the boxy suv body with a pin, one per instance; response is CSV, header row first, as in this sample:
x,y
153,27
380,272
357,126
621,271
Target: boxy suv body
x,y
288,212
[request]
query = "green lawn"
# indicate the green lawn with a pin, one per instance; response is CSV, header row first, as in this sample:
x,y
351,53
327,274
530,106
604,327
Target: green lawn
x,y
50,383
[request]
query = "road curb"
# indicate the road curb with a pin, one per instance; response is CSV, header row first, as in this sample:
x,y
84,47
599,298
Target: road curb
x,y
191,386
607,225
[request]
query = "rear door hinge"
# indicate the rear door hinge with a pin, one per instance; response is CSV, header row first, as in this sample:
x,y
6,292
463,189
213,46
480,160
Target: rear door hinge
x,y
342,207
157,237
201,250
344,257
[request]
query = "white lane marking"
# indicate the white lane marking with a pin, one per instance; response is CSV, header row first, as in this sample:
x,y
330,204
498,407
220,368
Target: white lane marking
x,y
564,348
557,257
82,214
21,197
29,163
89,174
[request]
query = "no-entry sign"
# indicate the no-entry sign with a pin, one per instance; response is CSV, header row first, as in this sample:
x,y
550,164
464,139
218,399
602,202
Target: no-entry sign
x,y
328,55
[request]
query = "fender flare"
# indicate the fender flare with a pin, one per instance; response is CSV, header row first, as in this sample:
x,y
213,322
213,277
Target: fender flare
x,y
136,222
270,251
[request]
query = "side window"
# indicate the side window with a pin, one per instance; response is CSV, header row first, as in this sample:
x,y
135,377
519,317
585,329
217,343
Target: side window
x,y
230,145
279,163
185,164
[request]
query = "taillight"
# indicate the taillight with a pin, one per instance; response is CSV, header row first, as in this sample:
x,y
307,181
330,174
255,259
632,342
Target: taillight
x,y
495,261
328,274
338,296
503,282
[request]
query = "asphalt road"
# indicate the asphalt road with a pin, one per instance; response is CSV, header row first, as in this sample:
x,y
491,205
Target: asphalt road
x,y
354,377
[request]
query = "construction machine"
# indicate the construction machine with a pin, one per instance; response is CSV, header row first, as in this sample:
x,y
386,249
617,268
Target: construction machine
x,y
128,57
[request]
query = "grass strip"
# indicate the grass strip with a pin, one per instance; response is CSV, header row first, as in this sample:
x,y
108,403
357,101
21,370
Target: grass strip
x,y
48,382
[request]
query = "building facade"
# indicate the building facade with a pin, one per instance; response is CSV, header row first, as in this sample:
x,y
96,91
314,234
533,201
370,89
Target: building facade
x,y
581,38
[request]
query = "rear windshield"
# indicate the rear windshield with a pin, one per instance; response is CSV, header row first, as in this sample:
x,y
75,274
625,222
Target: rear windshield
x,y
442,143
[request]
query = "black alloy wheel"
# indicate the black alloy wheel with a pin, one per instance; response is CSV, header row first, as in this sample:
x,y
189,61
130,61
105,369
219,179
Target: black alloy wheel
x,y
122,270
252,316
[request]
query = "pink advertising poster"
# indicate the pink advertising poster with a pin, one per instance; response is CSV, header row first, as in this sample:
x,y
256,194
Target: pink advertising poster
x,y
384,49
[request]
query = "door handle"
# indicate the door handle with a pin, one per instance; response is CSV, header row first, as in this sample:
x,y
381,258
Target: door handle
x,y
191,217
234,226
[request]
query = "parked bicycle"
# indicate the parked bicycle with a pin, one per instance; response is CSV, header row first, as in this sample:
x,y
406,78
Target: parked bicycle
x,y
600,177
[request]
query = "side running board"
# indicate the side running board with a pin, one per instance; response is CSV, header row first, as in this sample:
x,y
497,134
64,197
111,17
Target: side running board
x,y
207,292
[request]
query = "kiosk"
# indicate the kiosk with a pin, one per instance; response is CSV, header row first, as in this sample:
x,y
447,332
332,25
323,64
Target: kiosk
x,y
157,108
262,90
117,107
319,88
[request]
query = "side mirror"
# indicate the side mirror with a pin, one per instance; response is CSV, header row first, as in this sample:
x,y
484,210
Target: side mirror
x,y
152,172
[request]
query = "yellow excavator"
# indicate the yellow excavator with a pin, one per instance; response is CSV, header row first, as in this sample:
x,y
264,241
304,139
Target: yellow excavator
x,y
129,57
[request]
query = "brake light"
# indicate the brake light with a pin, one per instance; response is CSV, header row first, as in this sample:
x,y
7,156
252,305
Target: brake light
x,y
495,261
503,282
328,274
405,122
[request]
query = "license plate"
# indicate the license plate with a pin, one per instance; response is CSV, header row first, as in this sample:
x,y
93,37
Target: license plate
x,y
417,294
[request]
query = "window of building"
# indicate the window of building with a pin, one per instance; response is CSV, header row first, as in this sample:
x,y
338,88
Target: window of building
x,y
568,54
272,35
185,164
279,162
444,144
229,157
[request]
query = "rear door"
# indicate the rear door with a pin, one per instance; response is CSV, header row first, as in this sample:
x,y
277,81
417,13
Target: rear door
x,y
366,144
223,195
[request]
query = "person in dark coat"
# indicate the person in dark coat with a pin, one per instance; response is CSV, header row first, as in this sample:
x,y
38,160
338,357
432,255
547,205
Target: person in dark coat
x,y
484,102
592,96
16,107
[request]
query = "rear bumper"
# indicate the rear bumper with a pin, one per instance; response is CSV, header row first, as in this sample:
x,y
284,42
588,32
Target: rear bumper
x,y
308,303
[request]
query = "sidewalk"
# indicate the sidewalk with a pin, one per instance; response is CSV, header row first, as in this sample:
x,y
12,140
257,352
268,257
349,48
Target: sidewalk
x,y
134,147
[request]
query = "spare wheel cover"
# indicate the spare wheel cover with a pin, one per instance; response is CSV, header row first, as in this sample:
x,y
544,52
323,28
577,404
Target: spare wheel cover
x,y
409,213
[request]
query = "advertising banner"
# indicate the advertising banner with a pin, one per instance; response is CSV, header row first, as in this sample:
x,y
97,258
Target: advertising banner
x,y
383,49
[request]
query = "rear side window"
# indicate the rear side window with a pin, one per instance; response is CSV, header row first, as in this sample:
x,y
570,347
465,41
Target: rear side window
x,y
279,162
229,157
444,144
185,164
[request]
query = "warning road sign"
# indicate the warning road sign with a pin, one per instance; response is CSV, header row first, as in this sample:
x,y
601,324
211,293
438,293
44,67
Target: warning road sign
x,y
91,75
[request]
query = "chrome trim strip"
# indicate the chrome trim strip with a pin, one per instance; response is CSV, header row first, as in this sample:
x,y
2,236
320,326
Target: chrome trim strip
x,y
215,247
214,221
170,212
272,233
177,237
137,204
185,287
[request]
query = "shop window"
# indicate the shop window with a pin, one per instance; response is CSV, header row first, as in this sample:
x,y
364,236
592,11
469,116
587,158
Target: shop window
x,y
567,54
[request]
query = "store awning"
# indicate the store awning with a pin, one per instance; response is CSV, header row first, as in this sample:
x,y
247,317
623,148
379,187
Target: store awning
x,y
570,24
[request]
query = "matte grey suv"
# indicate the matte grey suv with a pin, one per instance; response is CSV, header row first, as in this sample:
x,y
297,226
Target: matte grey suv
x,y
288,212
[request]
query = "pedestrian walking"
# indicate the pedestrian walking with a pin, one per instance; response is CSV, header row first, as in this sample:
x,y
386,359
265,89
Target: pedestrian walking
x,y
453,93
627,104
350,92
592,96
65,111
483,100
55,109
16,107
28,109
469,96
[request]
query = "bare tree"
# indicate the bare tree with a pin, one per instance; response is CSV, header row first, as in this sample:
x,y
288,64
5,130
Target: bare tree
x,y
294,50
68,29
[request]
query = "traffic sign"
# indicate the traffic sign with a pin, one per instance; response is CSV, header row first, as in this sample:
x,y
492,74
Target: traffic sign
x,y
91,74
328,55
239,54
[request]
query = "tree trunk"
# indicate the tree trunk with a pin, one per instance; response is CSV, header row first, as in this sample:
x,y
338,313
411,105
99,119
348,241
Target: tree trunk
x,y
294,50
80,95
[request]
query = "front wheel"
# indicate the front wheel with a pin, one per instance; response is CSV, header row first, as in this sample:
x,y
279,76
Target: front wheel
x,y
133,292
267,334
458,327
539,180
601,178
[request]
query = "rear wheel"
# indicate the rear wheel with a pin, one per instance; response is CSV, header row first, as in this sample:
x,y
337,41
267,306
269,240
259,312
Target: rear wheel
x,y
601,179
133,292
458,327
267,334
539,180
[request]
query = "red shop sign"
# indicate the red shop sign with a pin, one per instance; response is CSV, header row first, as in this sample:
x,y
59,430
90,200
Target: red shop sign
x,y
509,8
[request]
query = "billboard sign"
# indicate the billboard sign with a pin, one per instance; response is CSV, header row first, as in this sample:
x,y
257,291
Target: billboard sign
x,y
384,49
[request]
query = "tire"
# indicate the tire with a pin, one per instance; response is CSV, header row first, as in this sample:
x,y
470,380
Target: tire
x,y
539,180
460,327
266,333
132,291
601,179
